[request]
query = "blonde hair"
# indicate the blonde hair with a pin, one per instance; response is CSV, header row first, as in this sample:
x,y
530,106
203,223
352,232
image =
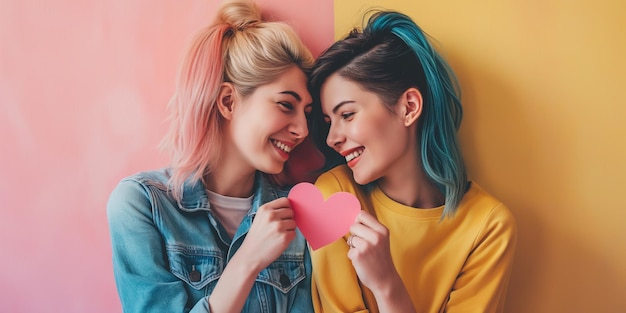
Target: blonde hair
x,y
241,48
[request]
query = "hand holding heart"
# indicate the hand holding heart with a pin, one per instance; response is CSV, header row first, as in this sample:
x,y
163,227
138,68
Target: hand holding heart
x,y
370,253
322,222
271,232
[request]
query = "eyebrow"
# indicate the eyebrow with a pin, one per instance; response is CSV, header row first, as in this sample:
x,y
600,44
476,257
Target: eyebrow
x,y
293,94
338,106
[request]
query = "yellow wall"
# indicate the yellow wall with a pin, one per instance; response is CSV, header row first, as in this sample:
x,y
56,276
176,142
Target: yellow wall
x,y
545,115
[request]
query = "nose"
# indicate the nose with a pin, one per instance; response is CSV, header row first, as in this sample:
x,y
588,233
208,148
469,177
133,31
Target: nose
x,y
299,128
334,137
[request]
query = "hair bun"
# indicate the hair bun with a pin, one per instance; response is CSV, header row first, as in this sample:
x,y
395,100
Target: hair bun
x,y
238,13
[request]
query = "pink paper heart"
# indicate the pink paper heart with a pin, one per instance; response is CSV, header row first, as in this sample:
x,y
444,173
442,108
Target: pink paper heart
x,y
322,222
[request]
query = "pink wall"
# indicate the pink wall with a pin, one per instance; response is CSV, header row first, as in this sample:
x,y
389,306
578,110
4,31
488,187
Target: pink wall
x,y
83,89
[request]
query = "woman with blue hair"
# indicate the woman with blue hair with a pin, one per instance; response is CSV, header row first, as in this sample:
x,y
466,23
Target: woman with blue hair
x,y
386,114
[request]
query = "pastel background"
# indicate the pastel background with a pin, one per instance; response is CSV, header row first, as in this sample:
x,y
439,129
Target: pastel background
x,y
83,89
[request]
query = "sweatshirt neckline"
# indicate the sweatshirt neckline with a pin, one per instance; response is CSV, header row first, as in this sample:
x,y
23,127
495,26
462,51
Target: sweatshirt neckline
x,y
399,208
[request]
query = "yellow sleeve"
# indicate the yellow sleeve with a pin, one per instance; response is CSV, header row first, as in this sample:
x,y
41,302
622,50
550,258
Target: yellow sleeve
x,y
482,282
335,286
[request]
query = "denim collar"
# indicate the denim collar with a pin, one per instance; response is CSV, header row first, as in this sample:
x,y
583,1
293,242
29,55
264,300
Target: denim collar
x,y
195,198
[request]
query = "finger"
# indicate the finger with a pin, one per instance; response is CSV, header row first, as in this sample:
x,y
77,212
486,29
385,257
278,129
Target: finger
x,y
277,203
367,234
283,213
273,213
349,241
276,228
370,221
355,242
288,225
361,230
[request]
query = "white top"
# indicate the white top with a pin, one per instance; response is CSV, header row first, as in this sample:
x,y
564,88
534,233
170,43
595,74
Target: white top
x,y
229,210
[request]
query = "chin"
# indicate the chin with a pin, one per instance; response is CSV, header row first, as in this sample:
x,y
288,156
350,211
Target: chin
x,y
361,179
364,177
273,169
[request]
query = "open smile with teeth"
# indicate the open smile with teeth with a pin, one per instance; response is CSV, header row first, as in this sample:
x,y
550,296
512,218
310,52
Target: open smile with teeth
x,y
353,155
281,146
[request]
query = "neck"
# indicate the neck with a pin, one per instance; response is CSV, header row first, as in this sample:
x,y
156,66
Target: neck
x,y
408,184
233,177
417,193
227,184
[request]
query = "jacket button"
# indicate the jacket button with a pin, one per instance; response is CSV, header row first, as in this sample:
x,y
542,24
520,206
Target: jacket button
x,y
284,280
195,276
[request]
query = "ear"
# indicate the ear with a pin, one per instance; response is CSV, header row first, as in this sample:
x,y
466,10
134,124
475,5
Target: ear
x,y
226,100
411,105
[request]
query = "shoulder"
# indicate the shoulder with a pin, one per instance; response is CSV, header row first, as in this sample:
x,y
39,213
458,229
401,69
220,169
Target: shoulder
x,y
336,179
137,191
487,212
341,175
479,201
155,178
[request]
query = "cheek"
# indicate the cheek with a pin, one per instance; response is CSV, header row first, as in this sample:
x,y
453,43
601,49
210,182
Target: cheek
x,y
385,133
375,127
270,124
246,132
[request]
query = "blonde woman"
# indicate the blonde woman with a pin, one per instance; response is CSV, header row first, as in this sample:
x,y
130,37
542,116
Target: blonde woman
x,y
211,232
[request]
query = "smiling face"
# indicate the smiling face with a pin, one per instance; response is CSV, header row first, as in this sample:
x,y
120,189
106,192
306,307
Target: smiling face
x,y
375,141
266,125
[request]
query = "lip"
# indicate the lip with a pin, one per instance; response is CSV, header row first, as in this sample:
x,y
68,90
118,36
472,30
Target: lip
x,y
288,144
353,162
346,152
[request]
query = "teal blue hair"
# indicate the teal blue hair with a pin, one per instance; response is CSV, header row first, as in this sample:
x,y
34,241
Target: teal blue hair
x,y
390,55
441,155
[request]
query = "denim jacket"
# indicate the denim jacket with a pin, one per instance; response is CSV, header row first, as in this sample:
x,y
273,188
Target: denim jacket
x,y
169,255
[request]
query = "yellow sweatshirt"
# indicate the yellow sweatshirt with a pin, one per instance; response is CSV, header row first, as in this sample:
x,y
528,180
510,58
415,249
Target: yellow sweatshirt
x,y
460,264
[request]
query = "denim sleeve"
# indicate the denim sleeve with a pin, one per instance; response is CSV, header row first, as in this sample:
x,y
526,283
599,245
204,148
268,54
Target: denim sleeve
x,y
144,282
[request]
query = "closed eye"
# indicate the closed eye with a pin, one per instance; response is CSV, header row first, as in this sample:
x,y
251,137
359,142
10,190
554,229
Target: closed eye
x,y
347,115
286,105
326,119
